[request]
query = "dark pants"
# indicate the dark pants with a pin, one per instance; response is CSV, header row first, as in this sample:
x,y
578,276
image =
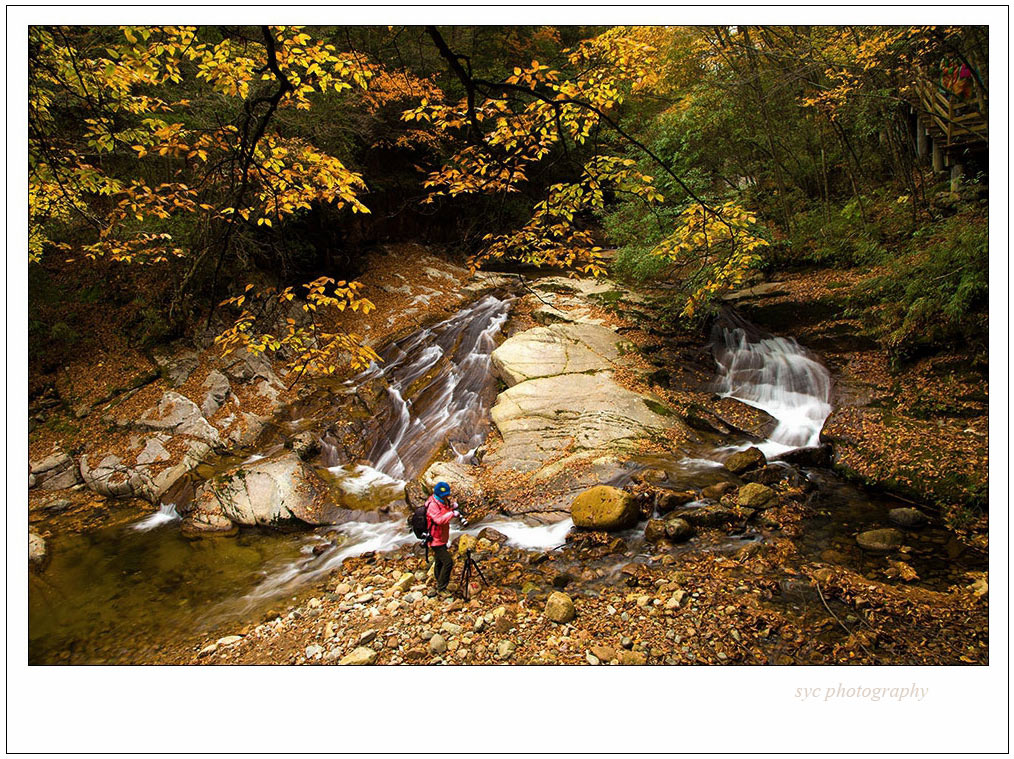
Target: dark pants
x,y
444,564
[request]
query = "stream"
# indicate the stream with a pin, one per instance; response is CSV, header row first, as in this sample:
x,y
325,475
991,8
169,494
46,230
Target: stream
x,y
121,593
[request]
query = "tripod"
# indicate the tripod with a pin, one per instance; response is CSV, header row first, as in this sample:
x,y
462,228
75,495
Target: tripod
x,y
466,574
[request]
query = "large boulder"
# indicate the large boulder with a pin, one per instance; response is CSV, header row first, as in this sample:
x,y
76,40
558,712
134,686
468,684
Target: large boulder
x,y
755,496
268,492
55,472
566,417
886,539
461,477
604,507
176,414
114,479
740,462
555,350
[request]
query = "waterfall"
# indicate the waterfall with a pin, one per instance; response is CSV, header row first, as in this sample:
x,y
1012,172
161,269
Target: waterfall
x,y
776,375
439,389
166,513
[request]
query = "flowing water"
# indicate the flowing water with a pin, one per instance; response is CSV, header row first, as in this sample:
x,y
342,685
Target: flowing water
x,y
120,593
112,595
778,376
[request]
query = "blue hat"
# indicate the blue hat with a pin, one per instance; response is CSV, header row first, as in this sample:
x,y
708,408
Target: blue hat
x,y
442,490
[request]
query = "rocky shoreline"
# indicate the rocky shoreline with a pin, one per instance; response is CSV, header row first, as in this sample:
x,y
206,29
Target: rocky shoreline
x,y
595,405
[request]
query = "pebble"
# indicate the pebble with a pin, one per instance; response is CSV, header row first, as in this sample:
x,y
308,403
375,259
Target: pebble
x,y
505,648
426,617
451,629
591,659
313,603
626,642
313,652
437,644
367,637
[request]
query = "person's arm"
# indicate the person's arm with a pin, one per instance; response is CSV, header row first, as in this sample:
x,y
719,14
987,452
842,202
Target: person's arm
x,y
443,517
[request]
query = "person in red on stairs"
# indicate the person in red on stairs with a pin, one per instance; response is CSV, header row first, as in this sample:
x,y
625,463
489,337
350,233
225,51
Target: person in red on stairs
x,y
440,510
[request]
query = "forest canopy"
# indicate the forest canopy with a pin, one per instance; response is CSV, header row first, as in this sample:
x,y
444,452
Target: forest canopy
x,y
236,170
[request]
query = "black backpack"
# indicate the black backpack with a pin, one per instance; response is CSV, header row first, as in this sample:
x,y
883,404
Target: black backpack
x,y
419,523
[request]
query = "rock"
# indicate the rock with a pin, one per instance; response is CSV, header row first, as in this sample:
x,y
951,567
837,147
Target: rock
x,y
178,415
333,655
907,517
218,390
667,500
451,628
313,652
678,530
461,477
268,492
755,496
632,658
493,536
245,367
567,419
751,458
654,530
591,659
675,599
207,650
404,582
652,476
113,479
603,653
716,491
562,579
437,644
466,543
305,445
57,505
228,640
32,481
359,657
36,550
505,649
154,450
708,516
558,349
176,366
886,539
604,507
816,456
560,608
55,472
199,524
769,475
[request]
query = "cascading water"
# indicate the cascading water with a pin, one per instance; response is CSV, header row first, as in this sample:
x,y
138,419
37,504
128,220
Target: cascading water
x,y
439,389
778,376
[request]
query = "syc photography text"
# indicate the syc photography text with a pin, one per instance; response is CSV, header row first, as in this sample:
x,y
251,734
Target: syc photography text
x,y
841,691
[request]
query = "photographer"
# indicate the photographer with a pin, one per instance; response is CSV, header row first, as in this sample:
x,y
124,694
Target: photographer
x,y
440,510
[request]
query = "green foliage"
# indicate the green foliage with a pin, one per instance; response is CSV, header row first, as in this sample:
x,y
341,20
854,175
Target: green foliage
x,y
937,294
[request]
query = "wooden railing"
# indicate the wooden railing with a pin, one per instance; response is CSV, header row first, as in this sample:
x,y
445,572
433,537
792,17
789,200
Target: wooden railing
x,y
950,118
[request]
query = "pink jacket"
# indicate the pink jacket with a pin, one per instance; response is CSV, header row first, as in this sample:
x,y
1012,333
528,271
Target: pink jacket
x,y
439,516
